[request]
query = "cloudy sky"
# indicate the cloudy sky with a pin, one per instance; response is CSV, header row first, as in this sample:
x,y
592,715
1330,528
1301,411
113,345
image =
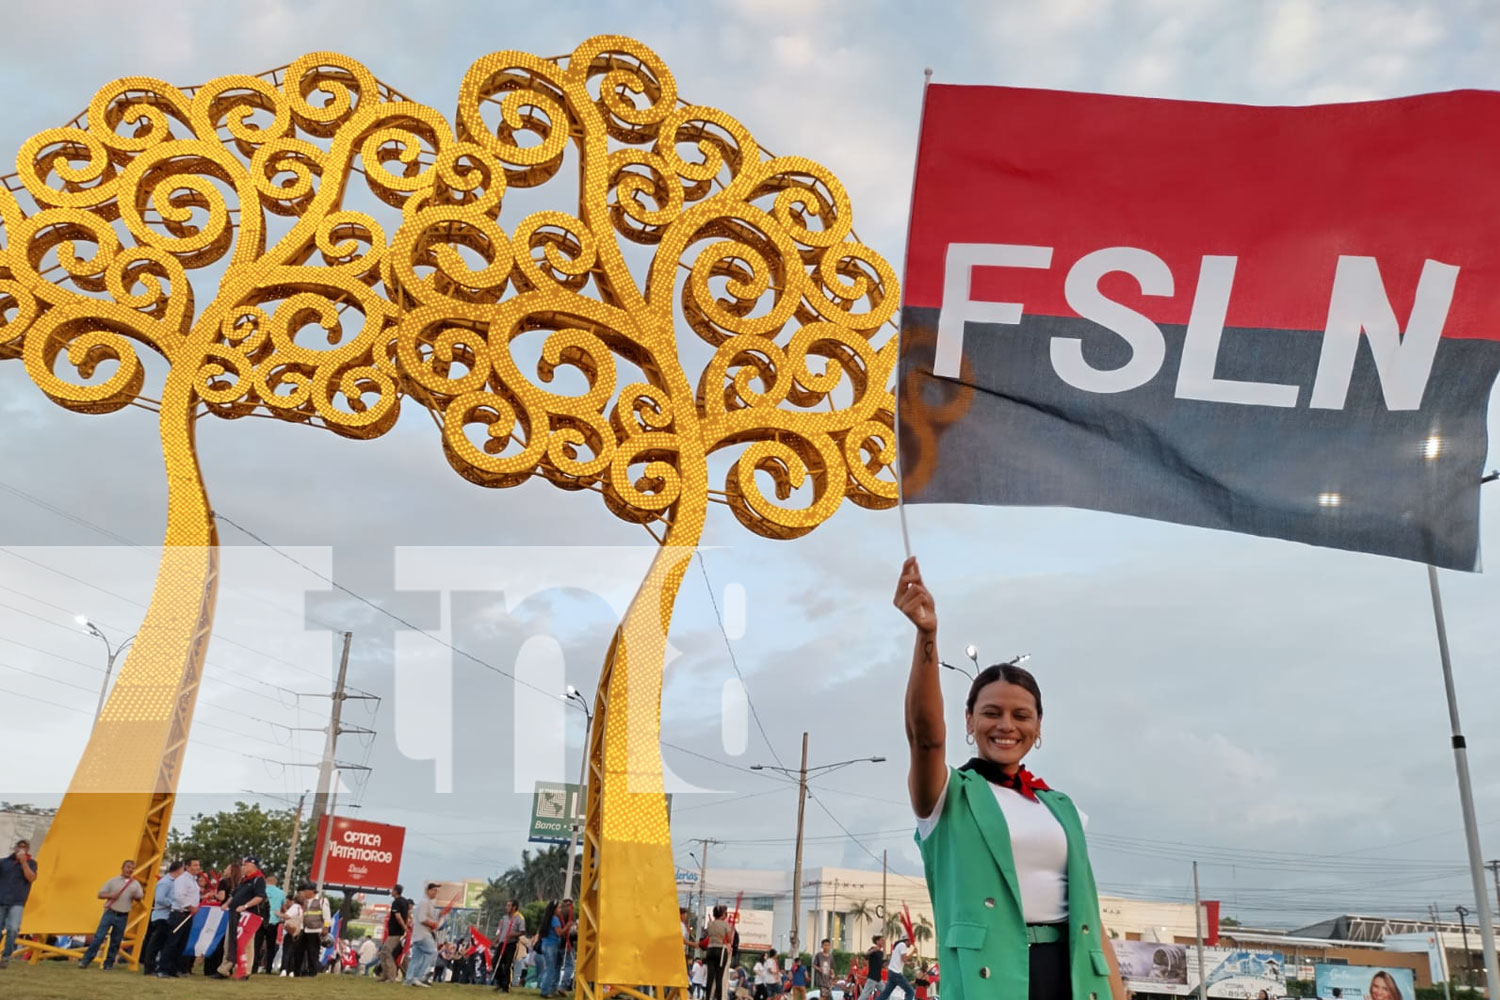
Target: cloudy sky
x,y
1259,705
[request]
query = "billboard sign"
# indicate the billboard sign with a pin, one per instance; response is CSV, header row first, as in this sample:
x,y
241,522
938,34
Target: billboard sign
x,y
1147,965
555,808
465,895
755,927
1150,967
1365,982
1437,966
358,854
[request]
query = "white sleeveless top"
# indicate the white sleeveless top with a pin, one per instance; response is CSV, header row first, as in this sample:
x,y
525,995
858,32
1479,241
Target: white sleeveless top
x,y
1039,847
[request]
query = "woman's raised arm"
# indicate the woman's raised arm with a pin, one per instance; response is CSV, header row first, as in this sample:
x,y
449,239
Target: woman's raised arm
x,y
926,732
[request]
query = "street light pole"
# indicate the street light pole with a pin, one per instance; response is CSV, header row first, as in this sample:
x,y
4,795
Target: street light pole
x,y
1463,929
801,810
573,694
111,653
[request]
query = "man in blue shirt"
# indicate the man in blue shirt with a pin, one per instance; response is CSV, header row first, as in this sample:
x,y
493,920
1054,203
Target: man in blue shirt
x,y
271,910
17,872
159,931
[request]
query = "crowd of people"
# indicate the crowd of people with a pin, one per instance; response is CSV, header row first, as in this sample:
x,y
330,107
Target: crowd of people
x,y
716,970
294,933
296,936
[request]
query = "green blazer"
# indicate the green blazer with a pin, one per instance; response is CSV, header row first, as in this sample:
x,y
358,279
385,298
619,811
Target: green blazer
x,y
976,900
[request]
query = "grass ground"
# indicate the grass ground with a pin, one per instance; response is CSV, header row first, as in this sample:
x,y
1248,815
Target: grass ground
x,y
65,981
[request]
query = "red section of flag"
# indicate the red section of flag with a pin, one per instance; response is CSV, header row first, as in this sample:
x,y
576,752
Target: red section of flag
x,y
1286,190
249,923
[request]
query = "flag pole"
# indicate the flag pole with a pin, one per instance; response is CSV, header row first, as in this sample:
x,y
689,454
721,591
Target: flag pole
x,y
1465,793
900,486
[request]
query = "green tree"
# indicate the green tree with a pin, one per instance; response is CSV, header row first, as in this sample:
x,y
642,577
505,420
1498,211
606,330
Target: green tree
x,y
218,838
862,913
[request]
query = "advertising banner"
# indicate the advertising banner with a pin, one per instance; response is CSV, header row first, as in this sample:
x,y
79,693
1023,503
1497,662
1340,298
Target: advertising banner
x,y
756,930
555,807
1363,982
359,854
1149,967
1281,321
467,894
1431,943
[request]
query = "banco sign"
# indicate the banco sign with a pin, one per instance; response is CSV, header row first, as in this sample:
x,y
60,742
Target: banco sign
x,y
359,854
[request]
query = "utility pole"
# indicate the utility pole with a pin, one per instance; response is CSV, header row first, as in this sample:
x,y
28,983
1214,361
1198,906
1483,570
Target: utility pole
x,y
797,864
885,914
291,853
323,842
1198,925
330,745
1494,867
833,911
703,843
801,774
1437,937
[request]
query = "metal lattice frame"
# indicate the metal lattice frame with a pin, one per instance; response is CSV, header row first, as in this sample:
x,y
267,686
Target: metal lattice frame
x,y
784,316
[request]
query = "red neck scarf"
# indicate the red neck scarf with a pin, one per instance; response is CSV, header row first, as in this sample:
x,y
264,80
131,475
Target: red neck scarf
x,y
1023,781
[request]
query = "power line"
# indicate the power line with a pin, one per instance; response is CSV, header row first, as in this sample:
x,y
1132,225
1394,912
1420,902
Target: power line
x,y
733,660
404,623
121,597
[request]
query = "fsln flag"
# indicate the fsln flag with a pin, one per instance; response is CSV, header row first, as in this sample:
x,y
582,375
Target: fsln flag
x,y
1278,321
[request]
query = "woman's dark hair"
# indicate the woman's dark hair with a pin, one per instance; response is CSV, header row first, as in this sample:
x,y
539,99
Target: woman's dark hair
x,y
1010,673
545,927
720,911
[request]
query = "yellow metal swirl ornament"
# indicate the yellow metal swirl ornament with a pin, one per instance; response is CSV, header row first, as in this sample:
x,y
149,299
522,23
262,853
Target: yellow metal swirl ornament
x,y
546,342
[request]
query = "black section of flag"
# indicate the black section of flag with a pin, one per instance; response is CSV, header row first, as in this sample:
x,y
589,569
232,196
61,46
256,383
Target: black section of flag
x,y
1011,432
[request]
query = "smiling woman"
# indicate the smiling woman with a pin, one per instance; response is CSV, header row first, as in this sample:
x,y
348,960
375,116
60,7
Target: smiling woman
x,y
1007,866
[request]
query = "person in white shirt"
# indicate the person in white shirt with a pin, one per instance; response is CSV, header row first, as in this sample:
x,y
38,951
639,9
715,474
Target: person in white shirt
x,y
772,975
425,922
369,954
698,979
185,899
895,967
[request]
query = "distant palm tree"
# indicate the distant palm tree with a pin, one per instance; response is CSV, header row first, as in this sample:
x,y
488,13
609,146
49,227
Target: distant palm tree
x,y
922,929
862,913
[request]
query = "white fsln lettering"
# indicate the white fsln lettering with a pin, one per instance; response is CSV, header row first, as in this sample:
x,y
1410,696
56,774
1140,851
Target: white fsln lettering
x,y
1358,305
1200,348
959,306
1148,346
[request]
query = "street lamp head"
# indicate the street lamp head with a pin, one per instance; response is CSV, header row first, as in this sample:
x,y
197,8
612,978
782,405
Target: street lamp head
x,y
757,767
572,691
972,652
82,620
877,760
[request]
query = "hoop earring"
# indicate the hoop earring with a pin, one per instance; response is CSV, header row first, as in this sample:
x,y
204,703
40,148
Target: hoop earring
x,y
1037,745
969,737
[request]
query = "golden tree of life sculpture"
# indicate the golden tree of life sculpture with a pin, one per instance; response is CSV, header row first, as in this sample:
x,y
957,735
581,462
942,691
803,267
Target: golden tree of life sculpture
x,y
680,222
